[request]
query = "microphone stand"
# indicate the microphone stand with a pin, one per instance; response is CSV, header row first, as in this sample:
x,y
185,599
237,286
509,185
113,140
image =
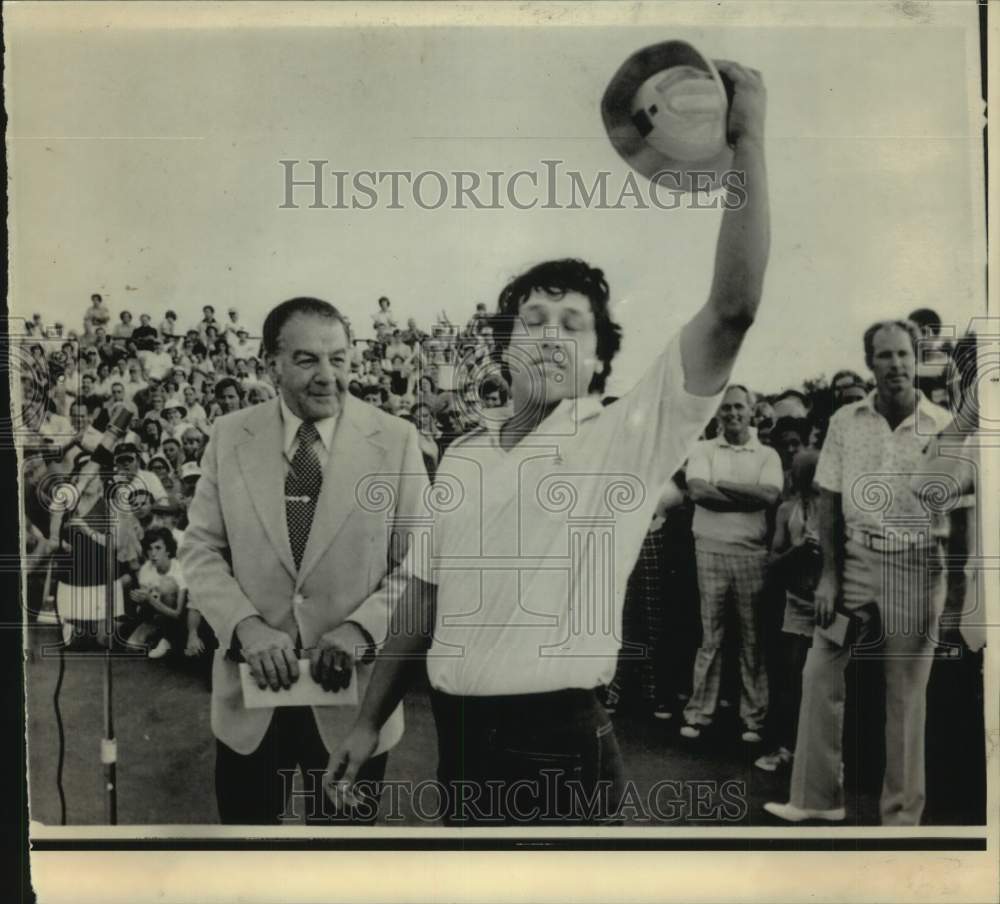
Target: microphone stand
x,y
109,744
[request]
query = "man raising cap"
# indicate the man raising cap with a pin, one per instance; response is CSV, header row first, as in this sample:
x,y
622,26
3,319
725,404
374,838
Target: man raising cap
x,y
520,618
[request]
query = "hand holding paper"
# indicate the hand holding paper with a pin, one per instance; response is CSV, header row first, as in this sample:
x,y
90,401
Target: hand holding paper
x,y
269,653
304,692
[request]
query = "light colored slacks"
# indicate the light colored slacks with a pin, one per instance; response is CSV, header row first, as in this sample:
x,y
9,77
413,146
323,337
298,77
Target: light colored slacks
x,y
718,574
906,590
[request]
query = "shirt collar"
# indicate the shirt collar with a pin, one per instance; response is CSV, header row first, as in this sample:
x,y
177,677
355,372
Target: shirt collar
x,y
572,411
751,445
923,408
324,426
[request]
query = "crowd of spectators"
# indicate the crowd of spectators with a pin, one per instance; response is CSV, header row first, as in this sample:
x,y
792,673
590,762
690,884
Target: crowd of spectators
x,y
134,404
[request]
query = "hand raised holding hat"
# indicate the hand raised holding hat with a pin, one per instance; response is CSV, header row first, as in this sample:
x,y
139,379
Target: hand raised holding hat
x,y
749,102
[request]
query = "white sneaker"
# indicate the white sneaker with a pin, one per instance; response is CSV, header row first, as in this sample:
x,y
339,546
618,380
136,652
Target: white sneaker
x,y
161,649
751,736
791,813
137,637
771,762
690,731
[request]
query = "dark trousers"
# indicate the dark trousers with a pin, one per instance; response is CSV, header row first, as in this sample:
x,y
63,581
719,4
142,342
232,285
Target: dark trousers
x,y
786,694
527,759
256,789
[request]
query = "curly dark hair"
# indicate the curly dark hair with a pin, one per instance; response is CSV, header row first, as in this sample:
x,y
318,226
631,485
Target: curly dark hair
x,y
557,279
160,533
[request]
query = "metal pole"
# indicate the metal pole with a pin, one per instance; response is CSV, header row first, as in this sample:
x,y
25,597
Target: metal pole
x,y
109,746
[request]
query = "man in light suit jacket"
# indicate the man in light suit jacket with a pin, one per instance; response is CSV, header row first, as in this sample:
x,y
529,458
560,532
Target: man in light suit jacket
x,y
283,562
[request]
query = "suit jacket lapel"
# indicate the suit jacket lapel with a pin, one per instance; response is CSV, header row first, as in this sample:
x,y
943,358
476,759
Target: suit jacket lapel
x,y
354,453
260,457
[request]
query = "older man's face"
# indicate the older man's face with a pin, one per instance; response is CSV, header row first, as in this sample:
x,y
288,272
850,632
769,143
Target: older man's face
x,y
734,412
312,365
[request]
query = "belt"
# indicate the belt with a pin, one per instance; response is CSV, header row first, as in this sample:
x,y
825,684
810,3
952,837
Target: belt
x,y
553,703
880,543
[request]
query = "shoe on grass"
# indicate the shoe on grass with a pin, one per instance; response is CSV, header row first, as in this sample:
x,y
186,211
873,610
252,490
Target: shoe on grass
x,y
772,762
791,813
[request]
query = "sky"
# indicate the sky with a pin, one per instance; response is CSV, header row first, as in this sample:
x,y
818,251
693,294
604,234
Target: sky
x,y
144,164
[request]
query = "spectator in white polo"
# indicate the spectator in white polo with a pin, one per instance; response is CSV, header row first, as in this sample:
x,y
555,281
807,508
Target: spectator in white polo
x,y
888,581
733,480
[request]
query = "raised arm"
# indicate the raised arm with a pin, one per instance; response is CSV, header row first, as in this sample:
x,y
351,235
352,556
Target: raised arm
x,y
710,341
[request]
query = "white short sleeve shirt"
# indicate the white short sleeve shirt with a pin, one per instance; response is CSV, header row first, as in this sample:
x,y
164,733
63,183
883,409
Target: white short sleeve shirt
x,y
531,549
872,466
